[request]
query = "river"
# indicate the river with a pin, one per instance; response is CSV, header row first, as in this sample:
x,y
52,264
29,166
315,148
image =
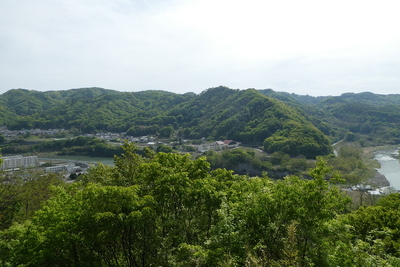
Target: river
x,y
390,166
105,161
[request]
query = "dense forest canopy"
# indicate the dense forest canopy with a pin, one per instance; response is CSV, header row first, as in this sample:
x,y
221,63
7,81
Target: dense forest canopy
x,y
373,118
278,121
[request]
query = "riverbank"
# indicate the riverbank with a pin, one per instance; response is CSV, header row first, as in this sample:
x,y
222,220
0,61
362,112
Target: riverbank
x,y
387,165
368,156
379,180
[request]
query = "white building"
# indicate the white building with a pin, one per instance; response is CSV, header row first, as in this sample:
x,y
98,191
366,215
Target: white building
x,y
19,161
210,146
231,144
217,145
69,168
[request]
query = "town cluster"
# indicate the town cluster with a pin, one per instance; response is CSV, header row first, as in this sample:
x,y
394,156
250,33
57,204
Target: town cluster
x,y
11,134
108,136
19,161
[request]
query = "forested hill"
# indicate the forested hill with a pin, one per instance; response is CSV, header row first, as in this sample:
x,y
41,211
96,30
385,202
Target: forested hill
x,y
87,109
217,113
252,118
371,119
280,121
364,97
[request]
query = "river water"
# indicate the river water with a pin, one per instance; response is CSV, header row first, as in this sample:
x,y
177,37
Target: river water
x,y
390,166
105,161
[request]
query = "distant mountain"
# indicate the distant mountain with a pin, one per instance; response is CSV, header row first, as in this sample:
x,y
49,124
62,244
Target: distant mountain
x,y
374,117
86,109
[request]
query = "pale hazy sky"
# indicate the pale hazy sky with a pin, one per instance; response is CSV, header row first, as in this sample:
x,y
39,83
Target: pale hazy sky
x,y
313,47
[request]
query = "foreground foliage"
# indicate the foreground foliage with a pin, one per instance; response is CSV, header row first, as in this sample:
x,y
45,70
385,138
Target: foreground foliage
x,y
169,210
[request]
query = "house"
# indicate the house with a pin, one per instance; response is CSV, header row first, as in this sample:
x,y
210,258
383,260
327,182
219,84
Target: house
x,y
231,144
220,144
217,145
209,146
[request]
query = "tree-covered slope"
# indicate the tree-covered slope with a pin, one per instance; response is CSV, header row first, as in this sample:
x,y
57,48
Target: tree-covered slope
x,y
217,113
371,98
366,114
380,122
308,106
364,97
87,109
291,123
251,117
246,116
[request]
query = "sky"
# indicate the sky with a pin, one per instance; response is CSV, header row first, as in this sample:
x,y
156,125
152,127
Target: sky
x,y
308,47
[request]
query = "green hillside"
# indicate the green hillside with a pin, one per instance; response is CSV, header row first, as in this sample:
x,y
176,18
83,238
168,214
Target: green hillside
x,y
294,124
252,118
279,121
246,116
87,109
373,119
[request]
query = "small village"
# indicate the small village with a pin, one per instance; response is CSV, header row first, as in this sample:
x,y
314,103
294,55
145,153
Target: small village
x,y
17,162
71,168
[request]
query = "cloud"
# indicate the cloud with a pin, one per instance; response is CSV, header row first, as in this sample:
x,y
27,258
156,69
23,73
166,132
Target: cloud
x,y
190,45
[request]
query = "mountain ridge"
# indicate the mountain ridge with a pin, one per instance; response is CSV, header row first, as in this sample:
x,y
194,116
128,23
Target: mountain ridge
x,y
280,121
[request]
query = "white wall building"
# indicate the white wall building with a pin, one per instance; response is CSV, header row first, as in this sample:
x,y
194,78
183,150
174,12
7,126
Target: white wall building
x,y
217,145
210,146
19,161
69,168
